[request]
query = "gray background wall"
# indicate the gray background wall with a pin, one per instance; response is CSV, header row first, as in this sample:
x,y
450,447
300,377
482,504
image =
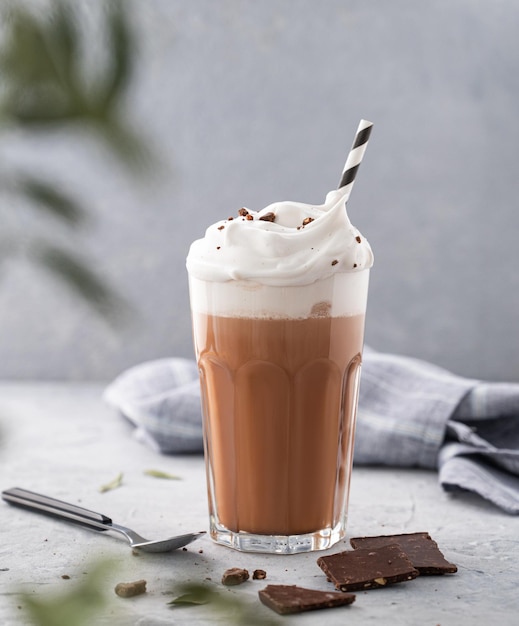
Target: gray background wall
x,y
251,102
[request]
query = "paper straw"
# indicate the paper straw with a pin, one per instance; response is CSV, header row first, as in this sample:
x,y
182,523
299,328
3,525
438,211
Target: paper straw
x,y
355,157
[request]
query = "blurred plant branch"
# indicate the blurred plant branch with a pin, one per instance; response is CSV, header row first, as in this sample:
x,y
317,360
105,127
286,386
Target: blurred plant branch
x,y
46,88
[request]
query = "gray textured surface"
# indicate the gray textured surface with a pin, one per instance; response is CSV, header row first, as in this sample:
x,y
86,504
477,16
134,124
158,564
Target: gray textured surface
x,y
253,102
52,433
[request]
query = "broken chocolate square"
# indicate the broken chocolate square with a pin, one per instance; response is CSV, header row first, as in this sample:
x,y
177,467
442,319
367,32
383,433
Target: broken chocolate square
x,y
285,599
422,550
367,569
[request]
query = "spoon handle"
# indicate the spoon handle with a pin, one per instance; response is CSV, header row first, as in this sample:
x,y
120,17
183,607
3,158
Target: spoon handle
x,y
56,508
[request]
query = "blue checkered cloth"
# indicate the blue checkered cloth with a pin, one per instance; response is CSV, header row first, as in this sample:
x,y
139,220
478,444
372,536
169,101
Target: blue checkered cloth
x,y
411,414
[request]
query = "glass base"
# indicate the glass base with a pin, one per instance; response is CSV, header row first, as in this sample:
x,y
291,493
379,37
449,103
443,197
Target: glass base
x,y
276,544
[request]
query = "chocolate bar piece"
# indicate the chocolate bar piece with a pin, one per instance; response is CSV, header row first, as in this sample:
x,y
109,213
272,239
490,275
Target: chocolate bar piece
x,y
285,599
423,552
367,569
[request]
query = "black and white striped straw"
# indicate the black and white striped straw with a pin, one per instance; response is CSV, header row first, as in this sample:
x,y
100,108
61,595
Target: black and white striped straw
x,y
355,157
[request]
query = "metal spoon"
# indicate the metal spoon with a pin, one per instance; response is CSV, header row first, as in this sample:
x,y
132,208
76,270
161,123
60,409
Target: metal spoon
x,y
95,521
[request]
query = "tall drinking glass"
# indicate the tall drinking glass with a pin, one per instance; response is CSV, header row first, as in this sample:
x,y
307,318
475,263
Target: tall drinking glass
x,y
279,372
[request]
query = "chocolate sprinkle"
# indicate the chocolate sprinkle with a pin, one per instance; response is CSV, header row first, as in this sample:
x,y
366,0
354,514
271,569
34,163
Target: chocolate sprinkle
x,y
334,262
358,239
307,220
268,217
287,599
221,227
243,212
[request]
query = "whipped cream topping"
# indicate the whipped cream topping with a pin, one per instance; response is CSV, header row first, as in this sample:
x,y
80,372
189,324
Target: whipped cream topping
x,y
284,244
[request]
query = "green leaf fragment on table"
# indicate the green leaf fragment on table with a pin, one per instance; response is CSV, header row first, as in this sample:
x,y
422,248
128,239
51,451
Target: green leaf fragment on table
x,y
194,594
116,482
161,474
190,599
235,608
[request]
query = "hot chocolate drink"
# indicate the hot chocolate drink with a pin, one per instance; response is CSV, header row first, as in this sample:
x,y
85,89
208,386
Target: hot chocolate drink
x,y
280,398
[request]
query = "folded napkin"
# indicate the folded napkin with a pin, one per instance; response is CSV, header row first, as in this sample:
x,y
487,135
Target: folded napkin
x,y
411,414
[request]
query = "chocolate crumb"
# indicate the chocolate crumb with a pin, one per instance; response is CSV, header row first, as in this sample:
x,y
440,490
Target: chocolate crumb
x,y
334,262
65,577
249,217
354,265
268,217
184,549
221,227
243,212
230,218
200,552
358,239
259,574
218,247
234,576
307,220
128,590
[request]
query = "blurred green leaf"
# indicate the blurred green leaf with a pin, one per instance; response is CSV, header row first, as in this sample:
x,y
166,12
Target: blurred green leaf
x,y
45,84
25,58
118,72
34,89
80,278
49,197
65,40
79,606
126,145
